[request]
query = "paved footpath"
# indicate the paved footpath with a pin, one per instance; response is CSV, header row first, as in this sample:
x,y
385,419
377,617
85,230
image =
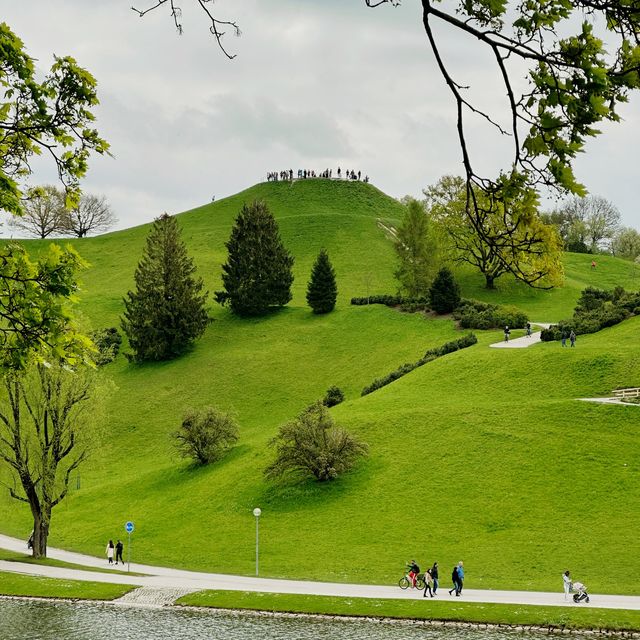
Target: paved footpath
x,y
524,341
165,578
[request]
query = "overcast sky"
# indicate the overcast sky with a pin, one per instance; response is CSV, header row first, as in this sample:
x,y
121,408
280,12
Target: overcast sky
x,y
315,84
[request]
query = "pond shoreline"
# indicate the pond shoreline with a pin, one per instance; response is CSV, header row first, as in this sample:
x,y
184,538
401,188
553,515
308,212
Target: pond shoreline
x,y
425,622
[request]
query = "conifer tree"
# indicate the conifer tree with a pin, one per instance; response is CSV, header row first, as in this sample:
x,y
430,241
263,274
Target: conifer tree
x,y
444,292
257,274
166,312
322,291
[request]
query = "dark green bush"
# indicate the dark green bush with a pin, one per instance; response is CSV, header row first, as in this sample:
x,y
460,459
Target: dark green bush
x,y
108,342
444,292
473,314
390,300
592,298
333,397
431,354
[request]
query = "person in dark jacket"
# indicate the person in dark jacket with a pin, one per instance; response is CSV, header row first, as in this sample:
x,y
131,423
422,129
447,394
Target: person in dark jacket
x,y
119,548
434,575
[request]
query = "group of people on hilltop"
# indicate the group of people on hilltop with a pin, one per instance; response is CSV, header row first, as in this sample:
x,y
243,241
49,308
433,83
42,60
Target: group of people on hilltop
x,y
303,174
431,578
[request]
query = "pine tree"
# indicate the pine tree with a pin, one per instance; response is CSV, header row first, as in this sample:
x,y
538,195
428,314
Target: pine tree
x,y
257,274
166,313
322,290
444,292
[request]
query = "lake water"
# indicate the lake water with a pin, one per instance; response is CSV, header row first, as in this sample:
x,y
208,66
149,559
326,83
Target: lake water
x,y
22,620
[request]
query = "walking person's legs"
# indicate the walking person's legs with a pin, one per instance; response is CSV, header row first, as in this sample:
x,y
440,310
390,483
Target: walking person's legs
x,y
435,586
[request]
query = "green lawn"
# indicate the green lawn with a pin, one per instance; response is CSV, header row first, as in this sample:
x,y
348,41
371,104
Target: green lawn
x,y
483,455
571,618
15,584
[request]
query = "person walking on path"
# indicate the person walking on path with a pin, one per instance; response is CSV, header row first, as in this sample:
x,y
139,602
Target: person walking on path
x,y
572,338
507,332
528,329
566,583
109,551
455,578
460,577
434,575
428,583
564,338
119,549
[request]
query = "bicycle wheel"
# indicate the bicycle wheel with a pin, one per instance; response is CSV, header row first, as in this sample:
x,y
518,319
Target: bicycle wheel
x,y
420,584
403,583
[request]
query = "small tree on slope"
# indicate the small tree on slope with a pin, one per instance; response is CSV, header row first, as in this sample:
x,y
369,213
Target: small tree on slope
x,y
322,290
257,274
444,292
166,312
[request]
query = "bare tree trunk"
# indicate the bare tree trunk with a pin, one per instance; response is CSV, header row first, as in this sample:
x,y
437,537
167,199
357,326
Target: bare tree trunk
x,y
489,278
40,534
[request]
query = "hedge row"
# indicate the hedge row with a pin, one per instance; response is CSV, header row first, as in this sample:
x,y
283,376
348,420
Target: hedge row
x,y
596,309
473,314
430,355
390,301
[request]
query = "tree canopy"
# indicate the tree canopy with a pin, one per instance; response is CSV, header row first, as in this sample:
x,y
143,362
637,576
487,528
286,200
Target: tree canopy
x,y
51,117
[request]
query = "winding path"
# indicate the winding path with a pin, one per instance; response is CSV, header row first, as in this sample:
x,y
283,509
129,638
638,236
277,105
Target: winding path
x,y
524,341
161,580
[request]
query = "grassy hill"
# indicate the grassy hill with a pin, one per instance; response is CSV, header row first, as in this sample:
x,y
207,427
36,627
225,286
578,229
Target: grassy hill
x,y
484,455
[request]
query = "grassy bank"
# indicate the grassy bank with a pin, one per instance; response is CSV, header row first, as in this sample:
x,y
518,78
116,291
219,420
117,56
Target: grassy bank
x,y
15,584
419,609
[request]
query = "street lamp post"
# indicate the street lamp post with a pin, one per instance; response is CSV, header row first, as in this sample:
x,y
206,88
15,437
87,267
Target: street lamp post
x,y
256,512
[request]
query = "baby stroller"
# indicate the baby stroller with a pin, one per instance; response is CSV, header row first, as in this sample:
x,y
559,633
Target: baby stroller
x,y
581,594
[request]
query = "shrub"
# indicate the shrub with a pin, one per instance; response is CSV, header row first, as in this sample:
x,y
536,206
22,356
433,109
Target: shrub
x,y
592,298
444,292
473,314
333,397
386,299
108,342
430,355
206,435
584,322
312,445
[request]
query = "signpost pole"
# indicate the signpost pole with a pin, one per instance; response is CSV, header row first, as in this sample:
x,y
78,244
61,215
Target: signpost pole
x,y
129,529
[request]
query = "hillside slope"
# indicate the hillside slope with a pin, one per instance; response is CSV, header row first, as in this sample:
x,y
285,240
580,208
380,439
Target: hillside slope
x,y
484,455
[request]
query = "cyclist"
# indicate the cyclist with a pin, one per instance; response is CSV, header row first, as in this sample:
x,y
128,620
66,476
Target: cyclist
x,y
528,329
414,570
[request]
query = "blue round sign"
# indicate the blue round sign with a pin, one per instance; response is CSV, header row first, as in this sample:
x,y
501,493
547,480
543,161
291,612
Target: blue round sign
x,y
129,527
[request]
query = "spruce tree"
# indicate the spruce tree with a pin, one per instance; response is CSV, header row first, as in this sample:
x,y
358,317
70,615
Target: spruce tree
x,y
444,292
322,290
166,312
257,275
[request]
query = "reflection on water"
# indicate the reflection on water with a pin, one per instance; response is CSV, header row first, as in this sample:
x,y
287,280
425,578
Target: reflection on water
x,y
23,620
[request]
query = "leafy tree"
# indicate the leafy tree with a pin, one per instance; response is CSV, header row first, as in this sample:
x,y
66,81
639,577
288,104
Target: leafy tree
x,y
626,243
52,116
322,291
47,415
444,292
257,275
206,435
333,397
43,213
167,311
107,343
415,249
592,220
312,445
92,214
501,240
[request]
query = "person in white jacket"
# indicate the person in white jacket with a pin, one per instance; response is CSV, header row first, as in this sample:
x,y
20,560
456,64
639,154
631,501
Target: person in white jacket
x,y
109,551
566,580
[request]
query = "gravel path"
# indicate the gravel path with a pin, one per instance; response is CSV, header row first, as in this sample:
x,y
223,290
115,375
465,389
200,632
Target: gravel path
x,y
165,579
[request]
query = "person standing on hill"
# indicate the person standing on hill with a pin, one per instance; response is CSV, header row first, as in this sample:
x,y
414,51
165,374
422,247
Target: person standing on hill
x,y
119,548
109,551
572,338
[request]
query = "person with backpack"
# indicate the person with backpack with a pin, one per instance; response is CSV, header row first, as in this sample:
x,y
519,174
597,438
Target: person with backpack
x,y
428,583
507,333
119,548
572,338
